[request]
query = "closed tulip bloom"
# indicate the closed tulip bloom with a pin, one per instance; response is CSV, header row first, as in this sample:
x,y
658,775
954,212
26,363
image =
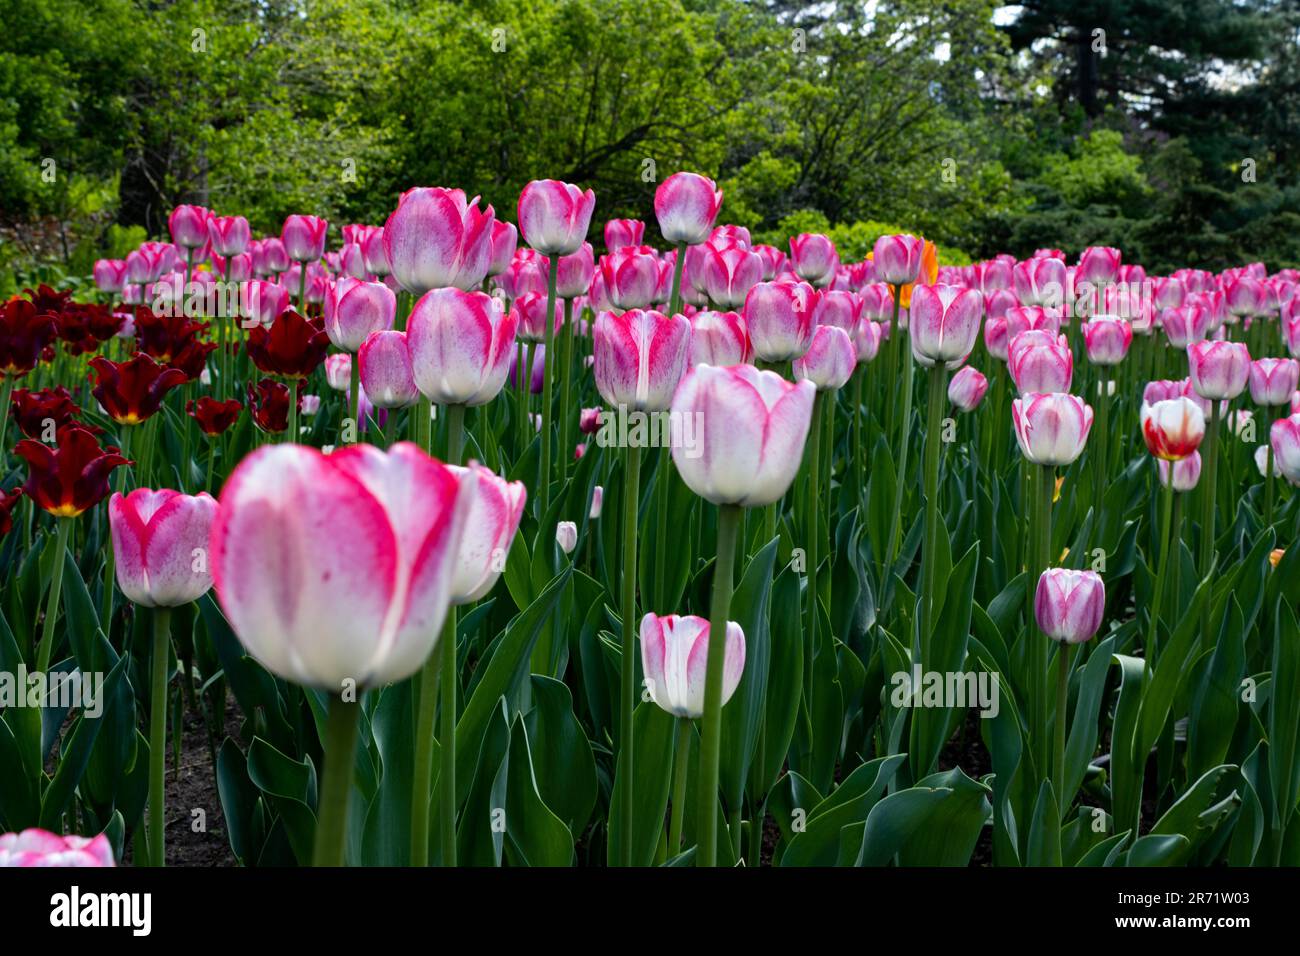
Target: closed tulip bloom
x,y
373,252
530,315
1219,370
1245,296
576,272
502,245
352,261
732,233
304,237
993,276
188,226
1291,328
144,265
719,338
829,361
944,322
1068,605
597,502
997,337
338,371
640,356
631,277
779,316
773,261
160,545
813,258
461,345
338,567
436,238
966,389
229,235
877,302
273,257
110,274
1040,363
623,232
897,259
1285,437
237,268
34,848
1185,325
866,340
355,308
493,509
752,430
1273,380
133,391
1031,318
1172,427
1261,462
1167,292
1040,281
838,308
1107,339
1098,265
730,271
687,205
554,217
566,536
674,652
1051,429
386,371
1184,473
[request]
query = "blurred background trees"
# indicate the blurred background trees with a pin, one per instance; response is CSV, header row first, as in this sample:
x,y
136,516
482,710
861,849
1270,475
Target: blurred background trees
x,y
1166,128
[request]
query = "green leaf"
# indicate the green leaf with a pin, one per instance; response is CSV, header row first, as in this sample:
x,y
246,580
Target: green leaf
x,y
652,733
563,766
535,836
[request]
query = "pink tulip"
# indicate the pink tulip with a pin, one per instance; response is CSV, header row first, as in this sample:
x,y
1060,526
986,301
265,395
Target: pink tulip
x,y
1098,266
566,536
674,650
966,389
1273,380
687,205
866,340
897,259
1291,327
235,268
40,848
145,264
1245,296
1027,318
829,361
814,258
994,276
493,509
352,261
528,272
752,428
160,542
1107,339
877,302
1068,605
1185,325
530,317
338,371
631,277
461,345
502,246
597,501
1185,472
1172,427
1285,437
730,271
188,226
373,253
229,235
640,356
386,370
354,309
1039,362
537,373
554,217
274,258
944,322
263,302
304,237
773,261
779,316
1219,370
1051,428
575,273
1040,281
840,309
589,421
719,338
729,233
1167,293
623,232
110,275
339,567
435,239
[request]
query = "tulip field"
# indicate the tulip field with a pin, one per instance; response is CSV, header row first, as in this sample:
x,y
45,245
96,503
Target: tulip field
x,y
498,538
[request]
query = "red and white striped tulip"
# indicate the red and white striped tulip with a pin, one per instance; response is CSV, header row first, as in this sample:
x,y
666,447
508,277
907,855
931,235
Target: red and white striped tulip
x,y
1172,427
674,650
461,346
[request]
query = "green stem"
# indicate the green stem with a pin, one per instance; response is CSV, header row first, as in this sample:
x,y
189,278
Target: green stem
x,y
711,746
302,288
1062,699
6,393
336,782
811,535
904,437
450,674
422,780
566,391
663,479
544,485
1268,473
46,646
1045,483
627,699
354,397
682,753
933,450
675,296
158,732
1210,464
859,469
1163,542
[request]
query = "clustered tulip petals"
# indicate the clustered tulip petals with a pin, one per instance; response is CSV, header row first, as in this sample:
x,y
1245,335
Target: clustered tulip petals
x,y
674,649
1068,605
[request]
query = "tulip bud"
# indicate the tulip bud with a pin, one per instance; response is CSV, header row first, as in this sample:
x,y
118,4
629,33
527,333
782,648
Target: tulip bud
x,y
160,545
1069,605
814,258
1185,325
866,340
566,536
1040,281
355,308
461,346
304,237
829,361
640,356
1219,370
1172,427
966,389
189,226
719,338
897,259
1051,429
673,652
1186,472
623,232
1107,339
944,322
110,274
1038,362
686,205
1098,265
338,371
750,438
229,235
1285,437
554,217
1273,380
779,316
1245,296
493,509
386,372
597,501
374,254
1261,462
575,272
730,271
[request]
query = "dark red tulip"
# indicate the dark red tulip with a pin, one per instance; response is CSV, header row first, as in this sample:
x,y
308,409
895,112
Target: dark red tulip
x,y
34,412
133,391
292,347
213,416
48,300
165,336
25,333
192,358
269,405
72,477
8,499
